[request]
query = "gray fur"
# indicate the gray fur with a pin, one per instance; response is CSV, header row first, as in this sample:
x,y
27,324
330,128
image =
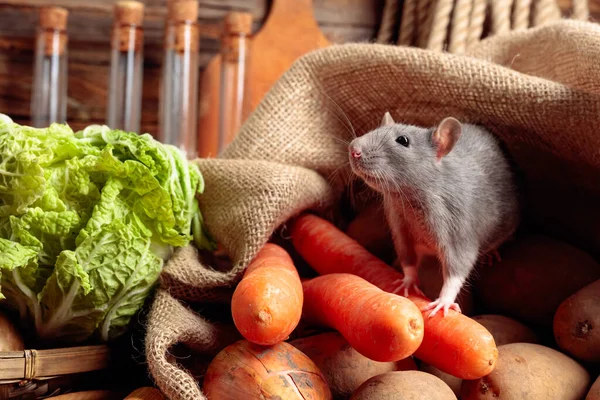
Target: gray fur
x,y
458,208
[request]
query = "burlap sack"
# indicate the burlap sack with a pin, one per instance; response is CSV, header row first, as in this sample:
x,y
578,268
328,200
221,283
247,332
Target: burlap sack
x,y
538,90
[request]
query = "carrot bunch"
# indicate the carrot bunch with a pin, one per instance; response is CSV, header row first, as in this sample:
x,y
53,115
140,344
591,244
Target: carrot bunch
x,y
455,343
271,298
353,296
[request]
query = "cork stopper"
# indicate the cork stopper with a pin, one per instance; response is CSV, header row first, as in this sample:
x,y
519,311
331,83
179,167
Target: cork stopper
x,y
237,23
129,12
182,10
53,18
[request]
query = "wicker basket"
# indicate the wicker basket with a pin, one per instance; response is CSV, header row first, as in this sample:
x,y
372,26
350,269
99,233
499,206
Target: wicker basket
x,y
35,374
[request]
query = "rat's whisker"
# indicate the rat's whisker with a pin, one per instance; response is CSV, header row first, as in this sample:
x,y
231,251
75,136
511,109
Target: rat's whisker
x,y
380,147
341,140
398,189
349,125
351,192
410,200
339,169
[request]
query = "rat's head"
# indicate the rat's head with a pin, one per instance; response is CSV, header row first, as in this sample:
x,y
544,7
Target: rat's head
x,y
396,156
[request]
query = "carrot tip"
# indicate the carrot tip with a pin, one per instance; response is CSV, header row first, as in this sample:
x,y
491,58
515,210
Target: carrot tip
x,y
415,325
264,317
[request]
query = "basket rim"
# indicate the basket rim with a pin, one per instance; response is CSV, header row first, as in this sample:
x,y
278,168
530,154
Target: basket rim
x,y
32,364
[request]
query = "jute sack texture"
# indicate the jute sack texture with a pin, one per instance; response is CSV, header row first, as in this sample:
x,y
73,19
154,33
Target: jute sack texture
x,y
538,90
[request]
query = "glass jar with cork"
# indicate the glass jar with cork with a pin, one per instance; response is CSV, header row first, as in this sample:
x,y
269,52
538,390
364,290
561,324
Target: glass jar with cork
x,y
49,89
126,71
178,108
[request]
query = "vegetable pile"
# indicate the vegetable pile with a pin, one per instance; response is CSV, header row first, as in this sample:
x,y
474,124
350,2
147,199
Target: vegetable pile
x,y
87,220
367,343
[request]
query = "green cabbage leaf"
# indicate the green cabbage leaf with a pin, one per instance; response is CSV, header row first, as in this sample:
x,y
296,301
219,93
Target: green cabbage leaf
x,y
87,221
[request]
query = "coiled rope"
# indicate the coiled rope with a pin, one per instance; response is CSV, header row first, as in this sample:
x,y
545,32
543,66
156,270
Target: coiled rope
x,y
457,25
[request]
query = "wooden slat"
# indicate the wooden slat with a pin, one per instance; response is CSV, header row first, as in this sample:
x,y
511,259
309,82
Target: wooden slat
x,y
54,362
12,365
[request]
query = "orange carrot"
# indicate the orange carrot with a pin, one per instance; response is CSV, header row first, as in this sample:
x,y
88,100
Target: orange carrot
x,y
381,326
455,344
267,303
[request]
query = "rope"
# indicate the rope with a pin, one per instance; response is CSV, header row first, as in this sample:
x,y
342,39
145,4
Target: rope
x,y
476,22
424,18
440,22
521,14
407,26
581,10
388,20
545,11
501,16
427,21
460,26
30,364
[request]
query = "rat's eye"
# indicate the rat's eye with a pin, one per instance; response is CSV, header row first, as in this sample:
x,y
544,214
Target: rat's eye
x,y
403,140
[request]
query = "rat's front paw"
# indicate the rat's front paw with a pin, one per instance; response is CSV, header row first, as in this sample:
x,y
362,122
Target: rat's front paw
x,y
406,285
439,304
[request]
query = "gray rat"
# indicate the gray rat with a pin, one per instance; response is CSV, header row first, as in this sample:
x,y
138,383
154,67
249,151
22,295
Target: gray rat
x,y
448,191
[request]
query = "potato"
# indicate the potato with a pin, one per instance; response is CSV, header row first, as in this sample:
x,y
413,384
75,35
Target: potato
x,y
506,330
431,281
248,371
452,381
577,324
594,393
404,385
535,275
528,371
344,368
10,338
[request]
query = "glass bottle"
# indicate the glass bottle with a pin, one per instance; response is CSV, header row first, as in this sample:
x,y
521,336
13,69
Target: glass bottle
x,y
126,70
178,112
234,47
49,89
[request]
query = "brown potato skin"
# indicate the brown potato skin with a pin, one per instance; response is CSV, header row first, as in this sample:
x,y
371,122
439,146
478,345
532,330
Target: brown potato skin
x,y
506,330
594,393
577,324
10,338
528,371
452,381
404,385
344,368
536,274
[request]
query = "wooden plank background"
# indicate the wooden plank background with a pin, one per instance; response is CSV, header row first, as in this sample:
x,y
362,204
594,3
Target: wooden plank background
x,y
89,47
89,28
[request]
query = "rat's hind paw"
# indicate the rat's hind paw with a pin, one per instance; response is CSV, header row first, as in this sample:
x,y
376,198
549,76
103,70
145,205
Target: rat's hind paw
x,y
439,304
406,285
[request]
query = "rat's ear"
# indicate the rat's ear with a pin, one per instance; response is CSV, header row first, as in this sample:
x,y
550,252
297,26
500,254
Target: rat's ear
x,y
387,120
446,135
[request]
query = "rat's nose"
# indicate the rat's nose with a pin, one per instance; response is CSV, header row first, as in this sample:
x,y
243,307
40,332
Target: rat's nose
x,y
354,152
